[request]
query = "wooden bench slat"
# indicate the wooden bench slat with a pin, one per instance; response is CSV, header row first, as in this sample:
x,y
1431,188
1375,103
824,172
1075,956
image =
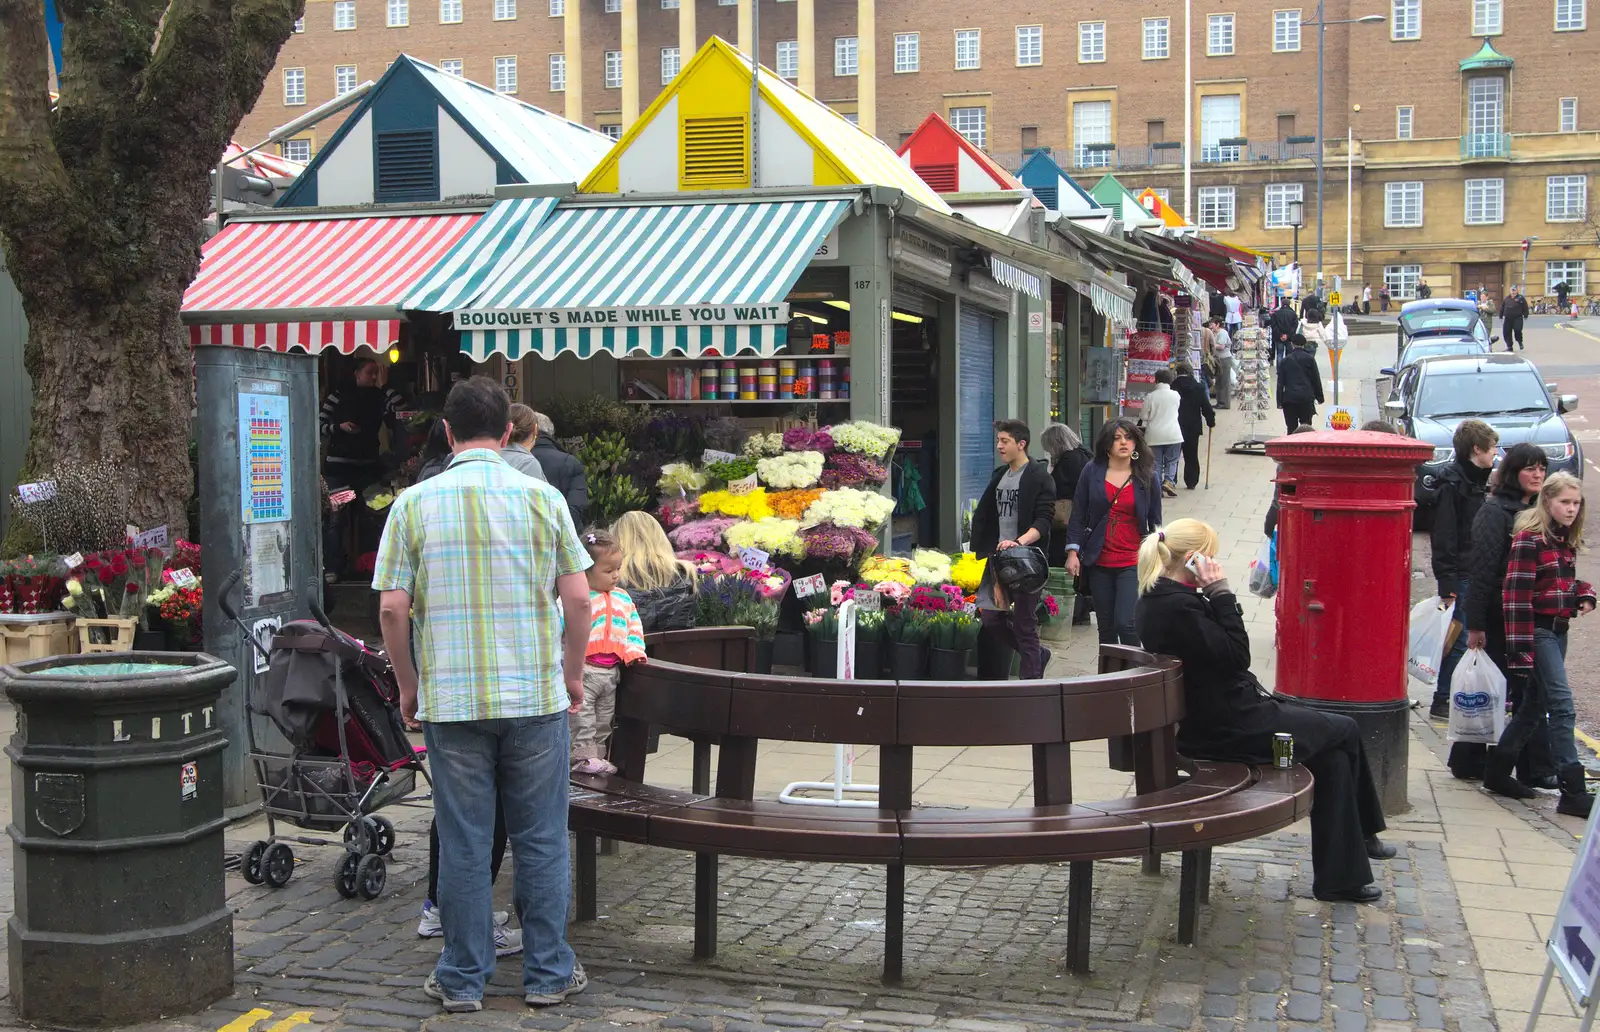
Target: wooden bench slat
x,y
980,713
1024,835
779,831
805,710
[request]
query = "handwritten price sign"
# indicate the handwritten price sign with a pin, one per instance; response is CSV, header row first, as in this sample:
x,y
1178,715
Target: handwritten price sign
x,y
754,558
42,491
805,587
183,578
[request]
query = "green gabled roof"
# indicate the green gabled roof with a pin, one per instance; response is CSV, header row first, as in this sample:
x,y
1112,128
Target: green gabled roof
x,y
1486,57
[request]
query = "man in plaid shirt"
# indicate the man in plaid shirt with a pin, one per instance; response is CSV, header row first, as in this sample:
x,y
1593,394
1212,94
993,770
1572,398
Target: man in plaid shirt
x,y
486,564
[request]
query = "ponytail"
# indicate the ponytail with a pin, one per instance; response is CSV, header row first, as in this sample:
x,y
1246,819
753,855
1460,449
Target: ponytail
x,y
1164,549
1154,558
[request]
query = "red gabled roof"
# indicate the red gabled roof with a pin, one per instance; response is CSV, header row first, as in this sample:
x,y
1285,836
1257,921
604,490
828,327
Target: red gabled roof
x,y
931,152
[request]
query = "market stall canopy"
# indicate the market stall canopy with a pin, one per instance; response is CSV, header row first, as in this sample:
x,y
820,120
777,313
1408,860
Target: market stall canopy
x,y
1111,194
950,164
314,283
1005,213
695,136
1157,206
1217,264
619,277
1055,189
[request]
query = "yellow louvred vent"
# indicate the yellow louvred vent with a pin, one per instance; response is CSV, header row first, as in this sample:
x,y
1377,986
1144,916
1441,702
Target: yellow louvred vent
x,y
716,152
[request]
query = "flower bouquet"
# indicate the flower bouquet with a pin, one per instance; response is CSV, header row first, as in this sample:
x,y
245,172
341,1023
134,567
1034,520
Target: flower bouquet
x,y
966,572
751,505
930,567
792,505
32,584
180,609
802,438
771,582
829,543
1049,608
762,617
710,563
675,512
848,507
847,469
791,470
680,478
730,470
701,533
882,569
758,446
863,438
772,535
719,597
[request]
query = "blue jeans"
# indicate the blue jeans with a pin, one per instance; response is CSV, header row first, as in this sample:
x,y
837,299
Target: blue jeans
x,y
1458,651
1167,456
523,761
1546,693
1114,590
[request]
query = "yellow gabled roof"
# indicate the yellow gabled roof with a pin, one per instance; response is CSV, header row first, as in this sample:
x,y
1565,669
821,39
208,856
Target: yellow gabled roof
x,y
844,154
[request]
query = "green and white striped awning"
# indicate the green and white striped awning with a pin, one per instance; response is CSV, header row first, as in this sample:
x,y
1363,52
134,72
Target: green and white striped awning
x,y
696,278
503,233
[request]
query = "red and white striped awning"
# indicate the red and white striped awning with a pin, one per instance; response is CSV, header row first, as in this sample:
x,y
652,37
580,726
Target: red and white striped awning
x,y
314,283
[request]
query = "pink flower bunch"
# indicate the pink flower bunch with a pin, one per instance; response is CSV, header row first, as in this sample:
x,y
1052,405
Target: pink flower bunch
x,y
829,541
800,438
812,617
702,533
709,562
1051,606
675,512
894,591
937,600
841,592
847,469
772,582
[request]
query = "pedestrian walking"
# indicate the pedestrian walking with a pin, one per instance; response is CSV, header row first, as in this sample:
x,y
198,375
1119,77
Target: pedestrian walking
x,y
1285,324
1513,310
1563,291
518,452
492,686
661,585
1016,509
1366,299
616,640
1068,457
1194,416
1383,298
1117,502
565,472
1299,385
1233,316
1188,610
1222,353
1543,595
1463,486
1162,431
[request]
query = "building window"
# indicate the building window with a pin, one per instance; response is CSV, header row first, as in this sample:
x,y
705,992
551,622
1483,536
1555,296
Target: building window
x,y
1486,202
1279,196
558,73
344,79
1566,198
1156,34
449,12
670,63
613,130
399,14
506,10
1402,205
505,75
669,5
558,8
294,87
1030,44
613,69
1487,17
789,59
1091,42
1569,114
1571,15
1091,124
344,15
452,66
1163,193
968,53
1402,122
300,26
1485,117
727,3
1405,20
300,150
1402,280
1285,31
853,117
1216,207
613,7
1556,273
1220,119
845,55
973,123
1219,35
907,52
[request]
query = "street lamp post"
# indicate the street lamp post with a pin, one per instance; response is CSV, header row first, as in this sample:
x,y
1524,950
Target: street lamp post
x,y
1297,218
1322,31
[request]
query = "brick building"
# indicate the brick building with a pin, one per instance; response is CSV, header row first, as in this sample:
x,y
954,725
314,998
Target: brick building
x,y
1470,123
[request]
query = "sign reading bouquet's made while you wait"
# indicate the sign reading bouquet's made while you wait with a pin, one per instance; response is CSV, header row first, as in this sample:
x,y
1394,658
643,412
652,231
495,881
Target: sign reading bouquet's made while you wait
x,y
580,318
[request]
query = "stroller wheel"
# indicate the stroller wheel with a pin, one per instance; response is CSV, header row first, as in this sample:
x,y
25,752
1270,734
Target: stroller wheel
x,y
371,875
383,841
277,864
345,880
250,867
361,835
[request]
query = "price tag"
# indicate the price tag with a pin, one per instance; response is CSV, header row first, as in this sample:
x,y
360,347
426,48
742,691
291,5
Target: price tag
x,y
869,601
712,455
744,485
754,558
74,560
971,609
130,531
183,578
805,587
40,491
156,537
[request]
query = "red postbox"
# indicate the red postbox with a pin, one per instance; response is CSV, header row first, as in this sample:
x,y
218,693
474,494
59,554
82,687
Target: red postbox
x,y
1345,500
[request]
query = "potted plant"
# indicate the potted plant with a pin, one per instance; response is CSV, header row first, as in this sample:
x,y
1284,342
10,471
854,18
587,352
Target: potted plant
x,y
822,628
952,634
906,630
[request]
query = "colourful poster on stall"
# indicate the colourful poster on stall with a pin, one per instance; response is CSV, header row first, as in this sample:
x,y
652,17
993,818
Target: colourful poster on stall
x,y
1148,352
263,449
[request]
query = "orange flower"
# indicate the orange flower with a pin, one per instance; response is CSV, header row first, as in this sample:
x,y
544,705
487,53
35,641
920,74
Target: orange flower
x,y
792,505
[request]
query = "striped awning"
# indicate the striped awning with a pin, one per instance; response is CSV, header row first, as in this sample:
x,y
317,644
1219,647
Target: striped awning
x,y
697,279
314,283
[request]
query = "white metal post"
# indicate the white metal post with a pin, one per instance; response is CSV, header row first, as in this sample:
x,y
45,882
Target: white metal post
x,y
1188,112
844,757
1349,199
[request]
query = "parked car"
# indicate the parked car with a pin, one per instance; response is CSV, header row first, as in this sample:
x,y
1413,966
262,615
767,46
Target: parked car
x,y
1437,320
1429,347
1433,395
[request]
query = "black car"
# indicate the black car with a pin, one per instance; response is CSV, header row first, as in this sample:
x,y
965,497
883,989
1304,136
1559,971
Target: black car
x,y
1436,321
1432,397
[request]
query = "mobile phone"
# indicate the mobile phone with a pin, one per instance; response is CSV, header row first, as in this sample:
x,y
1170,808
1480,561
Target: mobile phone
x,y
1192,564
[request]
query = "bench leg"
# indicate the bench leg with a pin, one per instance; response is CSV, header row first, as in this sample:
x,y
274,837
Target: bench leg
x,y
1080,910
608,847
587,878
700,778
1152,863
894,924
1189,895
705,906
1205,876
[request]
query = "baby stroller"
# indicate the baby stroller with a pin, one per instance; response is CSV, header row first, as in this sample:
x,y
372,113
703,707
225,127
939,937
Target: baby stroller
x,y
337,703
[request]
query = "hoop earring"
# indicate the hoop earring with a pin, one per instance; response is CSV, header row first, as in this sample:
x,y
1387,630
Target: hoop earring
x,y
1136,456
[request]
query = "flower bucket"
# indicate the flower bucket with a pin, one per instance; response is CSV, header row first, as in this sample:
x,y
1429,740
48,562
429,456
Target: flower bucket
x,y
763,657
869,659
824,657
908,661
789,649
947,665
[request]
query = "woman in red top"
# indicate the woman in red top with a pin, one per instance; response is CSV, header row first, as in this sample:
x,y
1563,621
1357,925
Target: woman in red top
x,y
1542,595
1117,503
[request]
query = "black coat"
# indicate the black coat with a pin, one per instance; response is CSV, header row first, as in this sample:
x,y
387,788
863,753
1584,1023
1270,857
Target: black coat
x,y
1090,506
1299,379
1036,497
665,609
1462,490
1285,324
1491,550
1065,473
1228,715
1194,405
1514,309
566,474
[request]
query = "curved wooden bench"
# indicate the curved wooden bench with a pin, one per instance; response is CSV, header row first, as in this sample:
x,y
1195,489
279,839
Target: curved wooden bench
x,y
1135,703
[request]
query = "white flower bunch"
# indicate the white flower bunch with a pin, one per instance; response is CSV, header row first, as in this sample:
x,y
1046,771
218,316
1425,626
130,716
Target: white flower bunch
x,y
681,477
930,567
772,535
760,445
849,507
791,470
865,438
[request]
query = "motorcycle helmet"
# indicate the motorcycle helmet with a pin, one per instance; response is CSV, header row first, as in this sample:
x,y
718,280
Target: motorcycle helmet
x,y
1022,570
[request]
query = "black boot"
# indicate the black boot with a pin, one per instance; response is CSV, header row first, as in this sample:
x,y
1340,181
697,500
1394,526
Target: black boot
x,y
1575,799
1548,782
1497,776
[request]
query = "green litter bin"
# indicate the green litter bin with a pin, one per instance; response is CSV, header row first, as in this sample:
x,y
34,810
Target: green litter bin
x,y
121,912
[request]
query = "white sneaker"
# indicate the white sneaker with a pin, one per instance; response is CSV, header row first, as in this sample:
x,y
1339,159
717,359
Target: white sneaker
x,y
507,941
576,984
429,927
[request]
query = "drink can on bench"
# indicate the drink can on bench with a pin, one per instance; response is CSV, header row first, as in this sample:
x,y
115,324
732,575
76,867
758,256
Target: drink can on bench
x,y
1283,750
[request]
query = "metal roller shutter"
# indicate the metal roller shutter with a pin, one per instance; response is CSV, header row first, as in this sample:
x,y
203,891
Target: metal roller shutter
x,y
975,376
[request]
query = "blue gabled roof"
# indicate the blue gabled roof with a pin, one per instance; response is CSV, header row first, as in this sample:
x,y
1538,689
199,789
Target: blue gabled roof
x,y
1041,173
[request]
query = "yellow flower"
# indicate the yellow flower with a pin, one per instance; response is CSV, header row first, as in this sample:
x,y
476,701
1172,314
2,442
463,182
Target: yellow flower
x,y
966,571
751,505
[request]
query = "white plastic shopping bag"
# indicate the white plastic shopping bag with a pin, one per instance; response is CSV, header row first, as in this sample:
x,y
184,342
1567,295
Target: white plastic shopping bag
x,y
1261,581
1477,700
1430,624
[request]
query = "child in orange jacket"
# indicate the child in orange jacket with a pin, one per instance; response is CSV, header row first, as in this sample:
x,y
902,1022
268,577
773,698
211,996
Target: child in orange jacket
x,y
616,639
